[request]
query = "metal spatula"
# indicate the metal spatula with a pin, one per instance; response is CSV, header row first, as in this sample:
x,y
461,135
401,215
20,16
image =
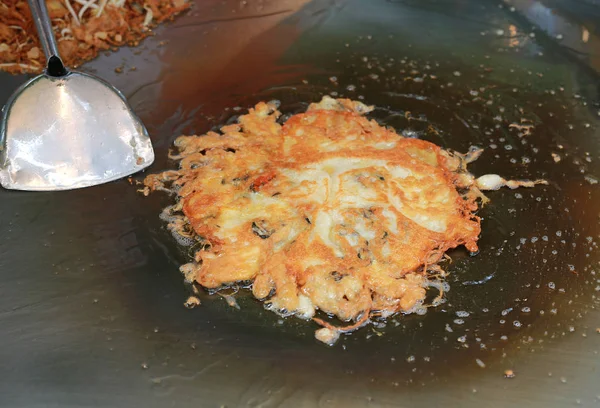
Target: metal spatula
x,y
66,129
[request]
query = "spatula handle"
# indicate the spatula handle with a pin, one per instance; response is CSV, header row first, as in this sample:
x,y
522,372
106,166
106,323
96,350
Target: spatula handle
x,y
39,11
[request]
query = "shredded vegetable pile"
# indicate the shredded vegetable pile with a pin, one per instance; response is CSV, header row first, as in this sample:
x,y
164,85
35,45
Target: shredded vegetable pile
x,y
82,28
329,213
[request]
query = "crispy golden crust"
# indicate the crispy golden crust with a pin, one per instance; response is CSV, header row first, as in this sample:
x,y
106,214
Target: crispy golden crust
x,y
82,32
328,212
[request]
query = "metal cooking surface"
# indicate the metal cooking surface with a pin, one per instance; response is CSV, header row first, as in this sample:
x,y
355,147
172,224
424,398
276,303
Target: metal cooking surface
x,y
92,301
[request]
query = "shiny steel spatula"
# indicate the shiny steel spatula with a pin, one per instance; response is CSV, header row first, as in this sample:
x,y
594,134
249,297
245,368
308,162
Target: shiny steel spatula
x,y
66,129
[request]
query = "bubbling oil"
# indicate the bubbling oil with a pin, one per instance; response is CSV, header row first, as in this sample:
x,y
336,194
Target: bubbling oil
x,y
535,256
536,272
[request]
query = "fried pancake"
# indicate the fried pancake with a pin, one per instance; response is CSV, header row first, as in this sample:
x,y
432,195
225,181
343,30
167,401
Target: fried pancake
x,y
329,211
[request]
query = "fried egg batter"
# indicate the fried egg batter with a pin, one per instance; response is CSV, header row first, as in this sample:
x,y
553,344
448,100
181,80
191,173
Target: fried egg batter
x,y
329,211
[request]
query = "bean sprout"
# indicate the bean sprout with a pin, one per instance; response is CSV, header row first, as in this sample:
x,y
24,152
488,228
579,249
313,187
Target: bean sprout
x,y
149,16
91,3
65,31
495,182
101,8
85,5
22,66
72,12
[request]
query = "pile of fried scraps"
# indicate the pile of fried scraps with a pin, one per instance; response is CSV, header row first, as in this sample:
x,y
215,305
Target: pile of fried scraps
x,y
82,28
327,213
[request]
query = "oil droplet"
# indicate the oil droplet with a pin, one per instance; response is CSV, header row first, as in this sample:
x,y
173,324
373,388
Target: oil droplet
x,y
509,374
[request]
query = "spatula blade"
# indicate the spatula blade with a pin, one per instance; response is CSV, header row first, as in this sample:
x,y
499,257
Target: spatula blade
x,y
70,132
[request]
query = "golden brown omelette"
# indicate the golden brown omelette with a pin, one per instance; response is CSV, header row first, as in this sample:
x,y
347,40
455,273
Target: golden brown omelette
x,y
328,212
